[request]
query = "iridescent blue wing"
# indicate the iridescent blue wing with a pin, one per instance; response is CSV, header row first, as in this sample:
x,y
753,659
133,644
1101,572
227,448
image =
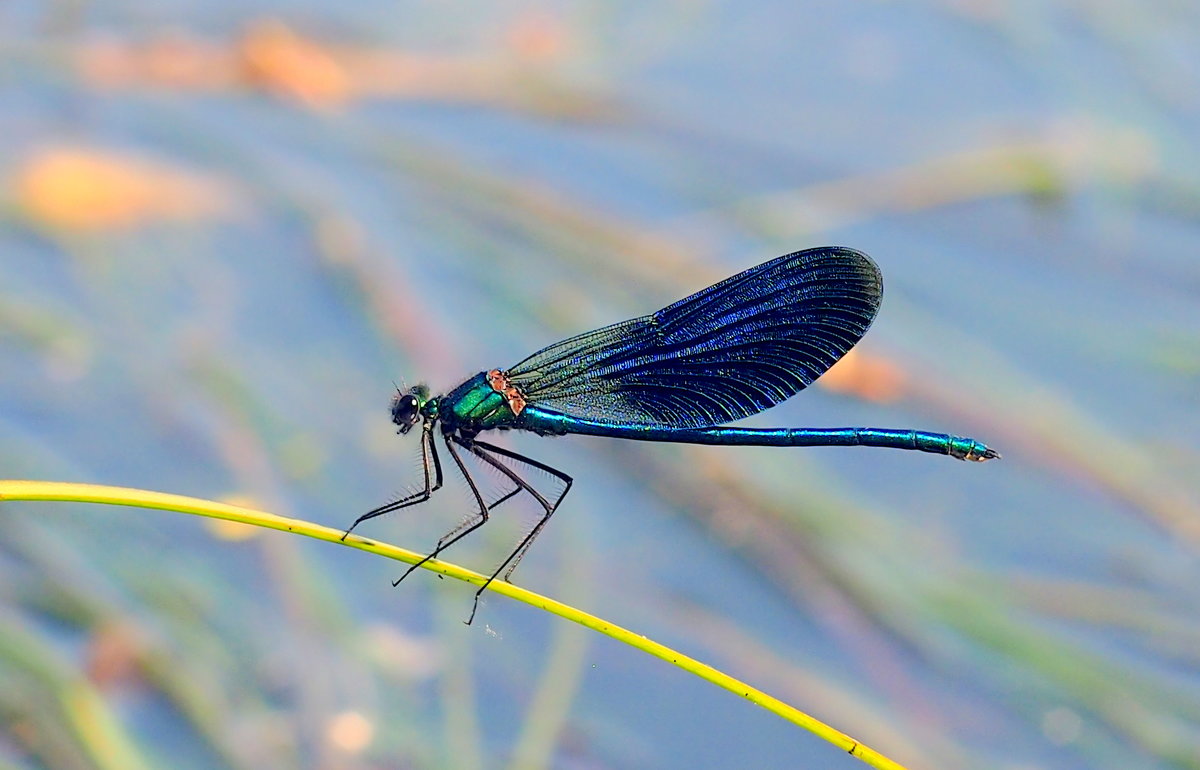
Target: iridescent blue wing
x,y
724,353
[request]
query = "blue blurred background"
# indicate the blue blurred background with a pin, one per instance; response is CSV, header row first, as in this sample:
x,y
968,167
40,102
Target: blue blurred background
x,y
227,228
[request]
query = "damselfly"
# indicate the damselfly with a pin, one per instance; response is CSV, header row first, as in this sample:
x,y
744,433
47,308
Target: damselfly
x,y
680,374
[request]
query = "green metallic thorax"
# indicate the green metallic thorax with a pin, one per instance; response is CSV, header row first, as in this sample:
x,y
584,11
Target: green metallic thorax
x,y
475,405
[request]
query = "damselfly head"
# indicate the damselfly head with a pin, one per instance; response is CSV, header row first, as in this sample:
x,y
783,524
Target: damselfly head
x,y
406,408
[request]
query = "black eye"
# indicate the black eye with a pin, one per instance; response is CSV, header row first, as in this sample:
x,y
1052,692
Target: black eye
x,y
404,410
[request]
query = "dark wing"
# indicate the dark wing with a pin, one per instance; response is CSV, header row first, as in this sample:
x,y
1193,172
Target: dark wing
x,y
724,353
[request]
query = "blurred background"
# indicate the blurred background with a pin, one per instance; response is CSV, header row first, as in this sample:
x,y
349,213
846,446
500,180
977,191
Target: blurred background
x,y
227,229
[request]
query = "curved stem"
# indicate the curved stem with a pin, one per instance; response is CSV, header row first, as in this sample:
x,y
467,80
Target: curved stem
x,y
91,493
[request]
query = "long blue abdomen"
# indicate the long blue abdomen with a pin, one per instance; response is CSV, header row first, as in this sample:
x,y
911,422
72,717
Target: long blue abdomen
x,y
544,421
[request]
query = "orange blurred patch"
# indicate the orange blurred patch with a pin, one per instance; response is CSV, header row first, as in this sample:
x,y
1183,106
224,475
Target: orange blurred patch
x,y
277,59
272,57
172,59
269,56
81,189
350,731
538,37
869,377
112,653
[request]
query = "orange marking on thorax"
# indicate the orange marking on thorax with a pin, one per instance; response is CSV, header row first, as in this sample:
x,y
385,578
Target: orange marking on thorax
x,y
499,382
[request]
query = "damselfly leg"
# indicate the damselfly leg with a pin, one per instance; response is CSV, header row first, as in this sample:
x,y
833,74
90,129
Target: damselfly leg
x,y
433,482
482,450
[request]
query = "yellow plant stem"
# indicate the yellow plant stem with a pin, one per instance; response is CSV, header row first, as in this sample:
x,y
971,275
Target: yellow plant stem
x,y
90,493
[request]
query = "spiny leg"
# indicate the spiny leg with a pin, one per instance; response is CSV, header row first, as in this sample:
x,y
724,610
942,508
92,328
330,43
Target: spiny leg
x,y
564,478
490,507
462,530
480,449
428,454
469,525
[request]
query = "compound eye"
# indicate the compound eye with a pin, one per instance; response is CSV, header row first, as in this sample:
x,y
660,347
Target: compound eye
x,y
404,410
